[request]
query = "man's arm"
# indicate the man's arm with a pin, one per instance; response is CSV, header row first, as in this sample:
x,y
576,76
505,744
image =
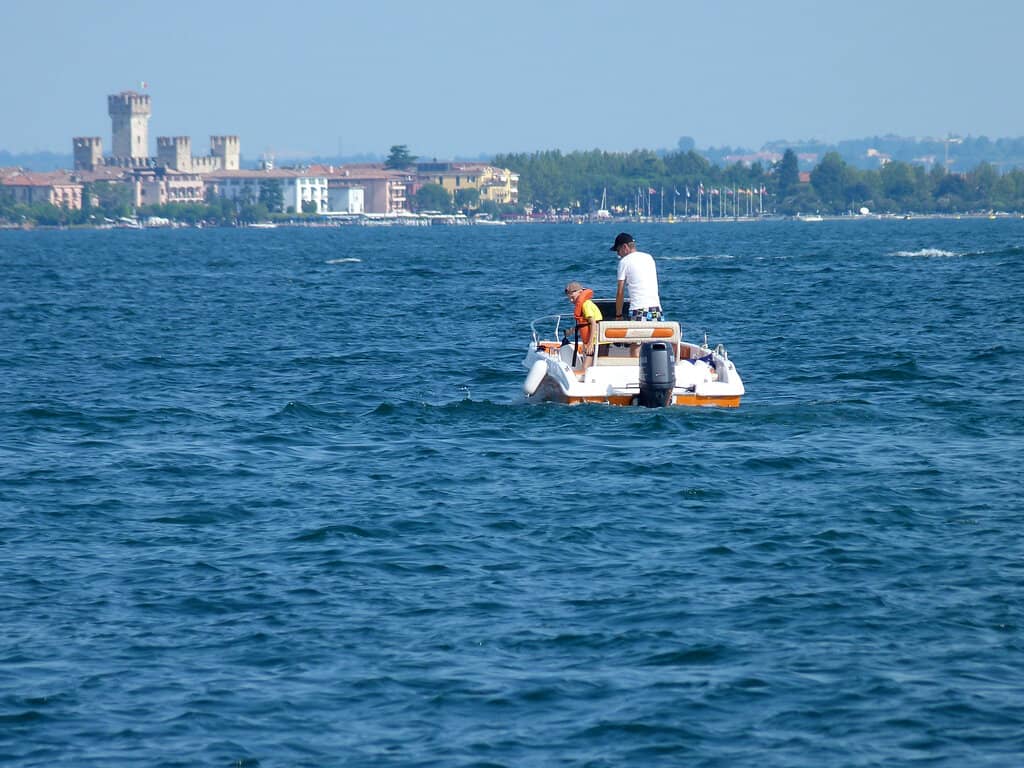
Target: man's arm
x,y
618,299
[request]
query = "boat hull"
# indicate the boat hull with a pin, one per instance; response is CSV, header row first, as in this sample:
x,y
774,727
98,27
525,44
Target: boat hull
x,y
703,376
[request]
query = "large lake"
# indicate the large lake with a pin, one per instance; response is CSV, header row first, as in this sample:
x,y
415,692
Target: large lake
x,y
272,498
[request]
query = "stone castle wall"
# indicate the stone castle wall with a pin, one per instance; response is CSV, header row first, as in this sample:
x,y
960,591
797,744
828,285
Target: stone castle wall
x,y
129,120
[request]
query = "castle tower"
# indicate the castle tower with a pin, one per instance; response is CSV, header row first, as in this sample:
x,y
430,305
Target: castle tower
x,y
88,152
228,150
129,124
174,152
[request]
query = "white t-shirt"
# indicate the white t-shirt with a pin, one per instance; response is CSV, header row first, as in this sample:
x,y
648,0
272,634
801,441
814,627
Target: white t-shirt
x,y
641,276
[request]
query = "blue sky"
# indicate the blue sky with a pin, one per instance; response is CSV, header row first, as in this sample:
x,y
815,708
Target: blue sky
x,y
461,78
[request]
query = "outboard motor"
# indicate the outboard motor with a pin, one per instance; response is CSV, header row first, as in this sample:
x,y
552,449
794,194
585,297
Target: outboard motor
x,y
657,374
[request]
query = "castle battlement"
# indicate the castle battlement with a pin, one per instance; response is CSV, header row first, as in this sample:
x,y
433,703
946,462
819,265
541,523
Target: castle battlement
x,y
129,103
88,152
174,152
207,164
228,150
223,141
129,122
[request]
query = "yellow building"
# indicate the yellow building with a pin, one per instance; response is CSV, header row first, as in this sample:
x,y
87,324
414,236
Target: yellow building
x,y
498,185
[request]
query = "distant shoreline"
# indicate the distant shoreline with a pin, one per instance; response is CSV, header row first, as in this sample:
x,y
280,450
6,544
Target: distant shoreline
x,y
574,220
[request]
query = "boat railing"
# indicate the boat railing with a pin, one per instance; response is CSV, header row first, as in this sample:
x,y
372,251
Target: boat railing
x,y
550,327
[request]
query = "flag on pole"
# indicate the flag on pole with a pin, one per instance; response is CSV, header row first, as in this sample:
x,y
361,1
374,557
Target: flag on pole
x,y
687,190
143,85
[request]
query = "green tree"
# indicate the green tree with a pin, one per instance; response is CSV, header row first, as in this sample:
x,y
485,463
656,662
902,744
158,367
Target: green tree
x,y
115,198
271,194
467,199
982,181
7,206
788,171
433,197
309,206
899,184
253,212
399,157
831,180
491,208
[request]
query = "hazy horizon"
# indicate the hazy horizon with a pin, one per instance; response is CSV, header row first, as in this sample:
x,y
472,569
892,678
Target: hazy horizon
x,y
465,80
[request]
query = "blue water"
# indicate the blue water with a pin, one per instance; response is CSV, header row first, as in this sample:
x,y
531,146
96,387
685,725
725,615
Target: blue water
x,y
272,498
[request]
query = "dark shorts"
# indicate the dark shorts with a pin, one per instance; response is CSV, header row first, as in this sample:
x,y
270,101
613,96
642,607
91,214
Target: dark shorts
x,y
645,313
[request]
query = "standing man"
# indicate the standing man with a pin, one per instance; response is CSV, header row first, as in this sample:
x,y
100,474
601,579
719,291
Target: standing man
x,y
639,276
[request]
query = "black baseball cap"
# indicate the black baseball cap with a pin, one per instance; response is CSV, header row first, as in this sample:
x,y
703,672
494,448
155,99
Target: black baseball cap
x,y
621,239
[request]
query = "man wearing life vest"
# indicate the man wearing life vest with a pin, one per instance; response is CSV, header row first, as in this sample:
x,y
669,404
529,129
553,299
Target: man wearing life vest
x,y
587,317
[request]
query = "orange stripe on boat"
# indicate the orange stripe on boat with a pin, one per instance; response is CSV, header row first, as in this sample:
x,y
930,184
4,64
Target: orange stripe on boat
x,y
638,333
730,401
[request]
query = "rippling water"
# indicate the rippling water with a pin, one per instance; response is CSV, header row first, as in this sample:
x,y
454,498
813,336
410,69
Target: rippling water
x,y
272,498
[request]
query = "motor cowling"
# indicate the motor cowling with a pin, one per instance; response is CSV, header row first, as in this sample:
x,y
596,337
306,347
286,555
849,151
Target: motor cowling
x,y
657,374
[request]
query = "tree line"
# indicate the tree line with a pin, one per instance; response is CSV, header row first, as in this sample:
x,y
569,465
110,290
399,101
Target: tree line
x,y
577,181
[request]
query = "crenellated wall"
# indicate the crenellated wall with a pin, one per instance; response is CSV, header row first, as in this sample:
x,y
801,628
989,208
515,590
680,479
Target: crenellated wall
x,y
129,121
174,152
88,152
228,149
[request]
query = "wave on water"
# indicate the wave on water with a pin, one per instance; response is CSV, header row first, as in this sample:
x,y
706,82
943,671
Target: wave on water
x,y
347,260
940,253
928,253
700,257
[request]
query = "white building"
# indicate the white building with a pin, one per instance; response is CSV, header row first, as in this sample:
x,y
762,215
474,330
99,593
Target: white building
x,y
297,188
347,199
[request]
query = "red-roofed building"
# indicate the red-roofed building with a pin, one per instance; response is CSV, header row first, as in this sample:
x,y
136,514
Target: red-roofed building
x,y
384,190
56,188
298,187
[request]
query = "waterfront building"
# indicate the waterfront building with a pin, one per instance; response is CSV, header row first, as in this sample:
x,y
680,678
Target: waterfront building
x,y
159,186
297,187
385,191
346,199
498,185
57,188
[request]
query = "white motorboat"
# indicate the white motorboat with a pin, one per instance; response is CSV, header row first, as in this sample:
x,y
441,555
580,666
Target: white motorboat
x,y
637,363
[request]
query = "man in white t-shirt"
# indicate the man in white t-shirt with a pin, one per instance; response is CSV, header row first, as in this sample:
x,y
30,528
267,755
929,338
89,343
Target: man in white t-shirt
x,y
639,277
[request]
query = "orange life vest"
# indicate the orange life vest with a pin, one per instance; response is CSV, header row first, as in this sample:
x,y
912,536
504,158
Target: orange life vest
x,y
581,322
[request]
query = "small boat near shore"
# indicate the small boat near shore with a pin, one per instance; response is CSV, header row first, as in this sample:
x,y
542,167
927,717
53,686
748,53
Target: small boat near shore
x,y
637,363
